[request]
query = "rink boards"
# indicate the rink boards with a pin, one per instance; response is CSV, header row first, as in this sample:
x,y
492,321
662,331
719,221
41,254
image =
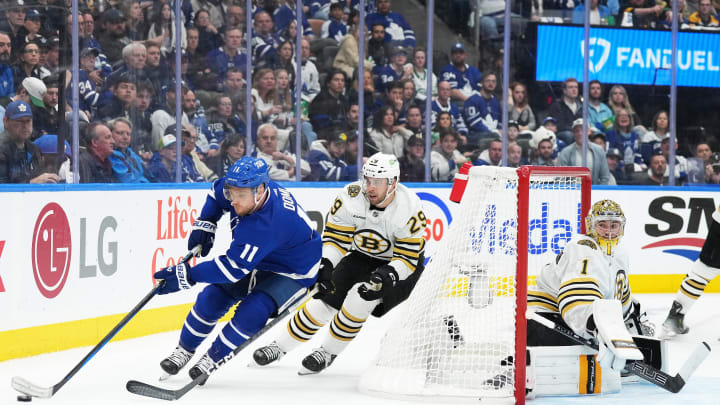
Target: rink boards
x,y
72,263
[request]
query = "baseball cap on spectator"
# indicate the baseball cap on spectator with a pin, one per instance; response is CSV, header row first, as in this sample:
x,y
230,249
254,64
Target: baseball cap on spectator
x,y
399,50
338,137
549,119
14,4
457,47
113,16
48,144
18,109
614,152
183,56
415,140
32,14
43,43
577,122
166,141
36,89
54,42
513,123
170,130
89,51
665,137
596,135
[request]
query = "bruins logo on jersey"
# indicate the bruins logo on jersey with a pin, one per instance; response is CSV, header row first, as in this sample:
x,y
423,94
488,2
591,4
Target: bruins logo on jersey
x,y
370,242
353,190
585,242
622,286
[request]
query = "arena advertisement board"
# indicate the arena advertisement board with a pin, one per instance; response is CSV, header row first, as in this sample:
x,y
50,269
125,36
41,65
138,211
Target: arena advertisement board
x,y
628,56
88,255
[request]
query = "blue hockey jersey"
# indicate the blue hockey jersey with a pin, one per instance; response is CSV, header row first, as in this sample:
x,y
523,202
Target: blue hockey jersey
x,y
279,238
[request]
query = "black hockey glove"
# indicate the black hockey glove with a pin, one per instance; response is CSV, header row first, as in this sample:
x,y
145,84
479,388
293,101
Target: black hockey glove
x,y
203,233
637,322
382,279
324,280
176,278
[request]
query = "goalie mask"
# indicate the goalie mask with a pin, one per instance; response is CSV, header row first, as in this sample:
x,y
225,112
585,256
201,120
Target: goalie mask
x,y
381,166
606,224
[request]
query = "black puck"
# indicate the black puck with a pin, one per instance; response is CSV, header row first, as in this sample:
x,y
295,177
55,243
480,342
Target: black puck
x,y
24,398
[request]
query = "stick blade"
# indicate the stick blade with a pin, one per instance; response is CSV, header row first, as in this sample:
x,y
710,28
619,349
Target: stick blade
x,y
26,387
147,390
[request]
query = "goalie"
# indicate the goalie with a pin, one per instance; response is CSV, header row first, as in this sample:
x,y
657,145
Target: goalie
x,y
586,288
372,257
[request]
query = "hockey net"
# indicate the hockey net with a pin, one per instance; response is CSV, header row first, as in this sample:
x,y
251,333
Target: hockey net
x,y
463,327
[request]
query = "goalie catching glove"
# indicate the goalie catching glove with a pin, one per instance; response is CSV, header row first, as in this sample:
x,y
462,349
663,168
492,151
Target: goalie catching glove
x,y
203,233
382,279
176,278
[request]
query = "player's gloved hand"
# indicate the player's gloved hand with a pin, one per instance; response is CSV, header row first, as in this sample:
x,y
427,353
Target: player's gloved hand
x,y
176,279
324,280
382,279
637,322
203,233
606,357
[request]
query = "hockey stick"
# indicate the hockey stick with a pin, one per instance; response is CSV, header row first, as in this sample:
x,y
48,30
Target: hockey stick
x,y
147,390
643,370
28,388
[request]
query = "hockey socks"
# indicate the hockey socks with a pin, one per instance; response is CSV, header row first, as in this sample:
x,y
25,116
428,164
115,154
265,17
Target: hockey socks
x,y
348,322
694,284
250,316
305,324
212,303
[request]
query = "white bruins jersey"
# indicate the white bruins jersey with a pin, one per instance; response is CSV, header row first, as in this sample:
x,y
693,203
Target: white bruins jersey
x,y
394,233
581,274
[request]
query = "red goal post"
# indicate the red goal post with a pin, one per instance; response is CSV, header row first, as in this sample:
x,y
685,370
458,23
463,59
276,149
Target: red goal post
x,y
466,316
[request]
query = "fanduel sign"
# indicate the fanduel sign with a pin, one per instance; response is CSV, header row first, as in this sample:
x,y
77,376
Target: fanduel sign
x,y
628,56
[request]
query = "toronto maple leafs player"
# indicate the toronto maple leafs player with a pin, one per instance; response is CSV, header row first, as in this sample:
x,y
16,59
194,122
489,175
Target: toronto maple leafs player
x,y
263,269
372,257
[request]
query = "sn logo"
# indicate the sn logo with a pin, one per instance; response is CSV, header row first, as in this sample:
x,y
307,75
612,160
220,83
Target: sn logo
x,y
596,43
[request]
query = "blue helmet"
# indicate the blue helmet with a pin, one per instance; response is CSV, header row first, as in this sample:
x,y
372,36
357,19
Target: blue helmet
x,y
247,172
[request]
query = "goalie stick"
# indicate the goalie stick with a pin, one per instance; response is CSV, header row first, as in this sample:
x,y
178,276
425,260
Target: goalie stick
x,y
28,388
147,390
643,370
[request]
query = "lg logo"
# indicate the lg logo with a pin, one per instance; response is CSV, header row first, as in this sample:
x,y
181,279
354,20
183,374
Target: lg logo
x,y
51,250
600,44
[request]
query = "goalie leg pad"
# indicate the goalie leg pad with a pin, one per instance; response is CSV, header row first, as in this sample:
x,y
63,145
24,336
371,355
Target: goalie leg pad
x,y
569,370
348,321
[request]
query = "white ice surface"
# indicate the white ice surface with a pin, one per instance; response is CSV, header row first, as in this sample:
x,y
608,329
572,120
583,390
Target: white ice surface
x,y
102,380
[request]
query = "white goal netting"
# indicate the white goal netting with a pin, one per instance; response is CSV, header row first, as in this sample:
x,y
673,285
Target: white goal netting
x,y
456,334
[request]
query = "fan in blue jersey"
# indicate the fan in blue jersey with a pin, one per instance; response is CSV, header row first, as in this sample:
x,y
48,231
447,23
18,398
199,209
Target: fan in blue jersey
x,y
482,111
334,27
397,29
463,78
263,269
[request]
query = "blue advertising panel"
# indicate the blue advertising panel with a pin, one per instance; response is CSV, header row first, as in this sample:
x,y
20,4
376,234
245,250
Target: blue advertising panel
x,y
628,56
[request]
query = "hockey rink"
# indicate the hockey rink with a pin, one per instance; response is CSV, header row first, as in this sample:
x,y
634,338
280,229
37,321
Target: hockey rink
x,y
102,380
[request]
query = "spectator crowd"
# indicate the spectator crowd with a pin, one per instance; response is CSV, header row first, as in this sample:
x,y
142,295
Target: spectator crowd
x,y
127,97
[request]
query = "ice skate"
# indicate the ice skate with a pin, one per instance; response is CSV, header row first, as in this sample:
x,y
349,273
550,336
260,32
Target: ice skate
x,y
316,362
268,354
675,322
172,364
205,365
